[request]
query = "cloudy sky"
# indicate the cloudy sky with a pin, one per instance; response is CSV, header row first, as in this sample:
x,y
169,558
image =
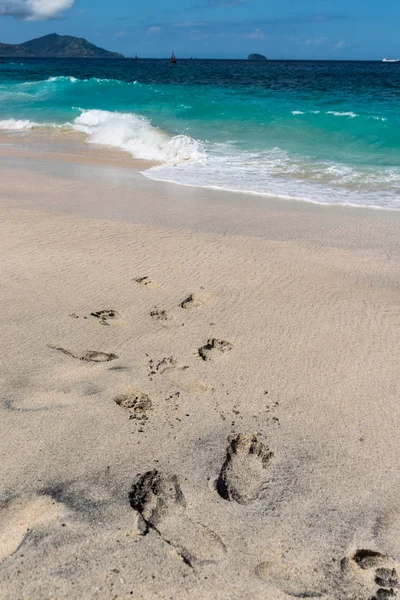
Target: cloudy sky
x,y
344,29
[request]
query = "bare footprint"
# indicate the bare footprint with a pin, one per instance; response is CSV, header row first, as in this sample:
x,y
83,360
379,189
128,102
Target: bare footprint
x,y
169,364
244,472
104,316
213,348
89,356
177,374
159,499
40,401
387,530
160,315
195,300
137,403
22,515
146,282
375,570
294,580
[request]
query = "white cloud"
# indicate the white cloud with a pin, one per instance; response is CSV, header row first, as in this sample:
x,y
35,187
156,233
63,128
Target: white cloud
x,y
154,29
34,10
121,33
257,34
342,44
315,41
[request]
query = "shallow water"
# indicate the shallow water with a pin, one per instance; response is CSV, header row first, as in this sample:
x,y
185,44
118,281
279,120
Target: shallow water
x,y
320,131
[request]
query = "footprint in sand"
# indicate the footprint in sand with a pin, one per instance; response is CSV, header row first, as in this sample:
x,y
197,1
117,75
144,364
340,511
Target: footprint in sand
x,y
137,403
88,356
387,530
169,364
213,348
166,365
146,282
177,374
244,472
21,516
376,570
195,301
159,499
104,316
295,580
161,315
40,401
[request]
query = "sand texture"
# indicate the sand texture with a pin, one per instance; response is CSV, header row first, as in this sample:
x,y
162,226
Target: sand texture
x,y
199,392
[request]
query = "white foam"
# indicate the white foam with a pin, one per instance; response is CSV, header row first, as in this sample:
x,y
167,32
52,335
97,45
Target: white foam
x,y
66,78
21,124
336,113
276,173
17,124
61,78
136,135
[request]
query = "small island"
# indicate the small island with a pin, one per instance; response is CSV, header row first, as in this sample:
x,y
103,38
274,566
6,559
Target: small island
x,y
56,46
256,57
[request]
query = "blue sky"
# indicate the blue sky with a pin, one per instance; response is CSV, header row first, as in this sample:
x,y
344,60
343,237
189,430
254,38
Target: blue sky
x,y
344,29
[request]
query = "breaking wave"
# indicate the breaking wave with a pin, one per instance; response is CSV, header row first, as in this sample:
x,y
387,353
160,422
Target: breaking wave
x,y
136,135
17,124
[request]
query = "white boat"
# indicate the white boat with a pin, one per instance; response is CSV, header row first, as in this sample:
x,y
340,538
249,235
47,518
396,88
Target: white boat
x,y
391,60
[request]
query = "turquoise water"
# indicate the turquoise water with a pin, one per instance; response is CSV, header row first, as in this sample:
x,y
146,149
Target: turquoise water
x,y
324,132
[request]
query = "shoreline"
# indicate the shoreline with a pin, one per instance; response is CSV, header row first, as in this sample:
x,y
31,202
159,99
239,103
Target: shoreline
x,y
161,203
74,146
274,197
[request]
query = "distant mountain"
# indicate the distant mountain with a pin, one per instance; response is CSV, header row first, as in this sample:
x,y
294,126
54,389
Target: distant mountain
x,y
256,57
53,45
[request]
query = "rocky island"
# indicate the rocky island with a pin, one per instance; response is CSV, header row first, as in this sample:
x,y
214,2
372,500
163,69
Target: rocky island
x,y
56,46
256,57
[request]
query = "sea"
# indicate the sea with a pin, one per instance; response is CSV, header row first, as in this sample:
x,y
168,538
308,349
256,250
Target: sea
x,y
317,131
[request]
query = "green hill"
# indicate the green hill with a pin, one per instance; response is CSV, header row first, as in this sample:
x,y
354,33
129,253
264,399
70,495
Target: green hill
x,y
256,57
53,45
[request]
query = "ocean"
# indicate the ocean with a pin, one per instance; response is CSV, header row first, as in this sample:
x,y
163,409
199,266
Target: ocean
x,y
324,132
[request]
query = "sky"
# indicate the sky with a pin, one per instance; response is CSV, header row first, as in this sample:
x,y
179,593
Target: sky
x,y
283,29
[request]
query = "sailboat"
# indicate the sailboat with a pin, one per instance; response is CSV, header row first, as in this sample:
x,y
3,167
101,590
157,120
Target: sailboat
x,y
173,57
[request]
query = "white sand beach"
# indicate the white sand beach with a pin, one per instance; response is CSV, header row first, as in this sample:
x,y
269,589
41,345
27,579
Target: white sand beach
x,y
199,389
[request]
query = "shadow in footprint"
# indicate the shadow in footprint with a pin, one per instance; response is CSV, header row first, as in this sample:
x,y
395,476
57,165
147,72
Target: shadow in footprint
x,y
146,282
159,499
213,348
244,471
164,316
12,407
88,356
104,316
137,403
377,567
169,364
22,516
195,301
